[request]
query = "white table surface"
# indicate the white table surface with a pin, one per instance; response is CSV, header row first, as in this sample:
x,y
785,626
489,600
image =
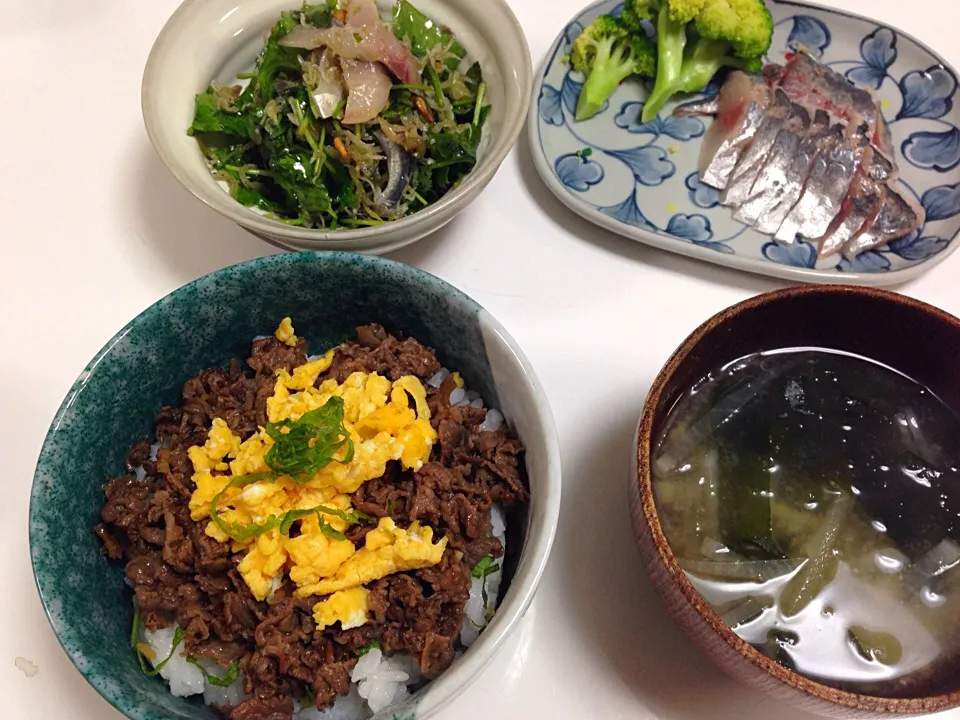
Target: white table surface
x,y
95,230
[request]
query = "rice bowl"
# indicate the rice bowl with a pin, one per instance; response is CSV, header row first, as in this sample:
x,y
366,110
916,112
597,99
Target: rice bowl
x,y
116,398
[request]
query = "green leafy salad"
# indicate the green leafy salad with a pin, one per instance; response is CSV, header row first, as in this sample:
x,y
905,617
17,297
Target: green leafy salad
x,y
348,119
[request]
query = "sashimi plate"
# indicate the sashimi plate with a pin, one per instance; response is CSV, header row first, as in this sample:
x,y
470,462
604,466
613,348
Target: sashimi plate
x,y
640,180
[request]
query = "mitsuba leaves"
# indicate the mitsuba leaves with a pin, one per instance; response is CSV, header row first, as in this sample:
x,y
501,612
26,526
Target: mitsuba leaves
x,y
401,103
290,172
320,15
276,57
210,118
423,33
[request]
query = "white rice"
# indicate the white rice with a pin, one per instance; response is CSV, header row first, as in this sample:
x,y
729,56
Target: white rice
x,y
185,678
492,421
378,681
460,397
231,695
140,472
476,612
275,584
383,681
345,707
437,380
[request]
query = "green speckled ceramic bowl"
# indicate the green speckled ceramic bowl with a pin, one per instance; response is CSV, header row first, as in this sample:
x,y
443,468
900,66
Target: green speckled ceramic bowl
x,y
206,323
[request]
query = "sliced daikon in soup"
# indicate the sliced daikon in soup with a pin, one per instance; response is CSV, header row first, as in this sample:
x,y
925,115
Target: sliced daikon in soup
x,y
813,499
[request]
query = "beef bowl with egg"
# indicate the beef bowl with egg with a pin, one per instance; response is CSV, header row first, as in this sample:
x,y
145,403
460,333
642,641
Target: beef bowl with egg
x,y
796,500
309,486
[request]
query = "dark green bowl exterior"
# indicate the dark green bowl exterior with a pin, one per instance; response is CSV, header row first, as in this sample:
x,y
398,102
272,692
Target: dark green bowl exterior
x,y
113,402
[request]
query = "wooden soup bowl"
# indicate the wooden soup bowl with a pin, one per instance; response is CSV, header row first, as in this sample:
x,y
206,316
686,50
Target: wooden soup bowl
x,y
910,336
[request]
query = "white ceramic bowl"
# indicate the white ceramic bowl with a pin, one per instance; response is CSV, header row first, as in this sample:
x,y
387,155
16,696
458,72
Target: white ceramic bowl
x,y
208,40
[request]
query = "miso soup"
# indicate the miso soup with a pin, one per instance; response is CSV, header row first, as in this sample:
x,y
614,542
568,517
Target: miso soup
x,y
813,499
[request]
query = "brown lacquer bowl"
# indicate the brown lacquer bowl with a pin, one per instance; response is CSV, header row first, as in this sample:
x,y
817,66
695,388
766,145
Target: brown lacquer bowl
x,y
911,336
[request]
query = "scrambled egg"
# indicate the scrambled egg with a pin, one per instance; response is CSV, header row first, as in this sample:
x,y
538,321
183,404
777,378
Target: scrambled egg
x,y
388,549
284,333
348,606
383,424
220,442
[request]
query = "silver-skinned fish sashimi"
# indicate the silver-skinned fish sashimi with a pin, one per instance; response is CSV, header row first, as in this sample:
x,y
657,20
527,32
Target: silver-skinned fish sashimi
x,y
754,156
815,85
861,206
775,179
810,148
900,215
826,186
800,153
738,110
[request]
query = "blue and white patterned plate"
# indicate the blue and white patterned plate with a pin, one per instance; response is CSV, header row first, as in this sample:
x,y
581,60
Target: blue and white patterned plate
x,y
640,179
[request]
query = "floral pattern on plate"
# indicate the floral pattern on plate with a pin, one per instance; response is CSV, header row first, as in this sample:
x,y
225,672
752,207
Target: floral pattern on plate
x,y
640,179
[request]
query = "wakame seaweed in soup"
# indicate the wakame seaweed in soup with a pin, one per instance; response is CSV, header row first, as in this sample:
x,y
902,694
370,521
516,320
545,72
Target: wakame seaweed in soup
x,y
813,498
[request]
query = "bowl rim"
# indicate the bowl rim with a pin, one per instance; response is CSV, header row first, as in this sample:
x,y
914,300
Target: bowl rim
x,y
445,208
664,554
542,526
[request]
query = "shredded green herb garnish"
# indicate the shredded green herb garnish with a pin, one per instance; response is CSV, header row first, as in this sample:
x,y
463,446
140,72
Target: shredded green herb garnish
x,y
328,530
352,517
229,676
135,628
178,634
309,699
243,532
485,566
368,647
233,529
308,444
301,447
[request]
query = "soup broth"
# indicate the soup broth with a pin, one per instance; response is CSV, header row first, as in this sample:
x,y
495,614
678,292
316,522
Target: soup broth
x,y
812,497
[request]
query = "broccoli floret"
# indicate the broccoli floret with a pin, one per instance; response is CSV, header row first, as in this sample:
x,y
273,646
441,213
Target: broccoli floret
x,y
696,38
607,52
634,11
